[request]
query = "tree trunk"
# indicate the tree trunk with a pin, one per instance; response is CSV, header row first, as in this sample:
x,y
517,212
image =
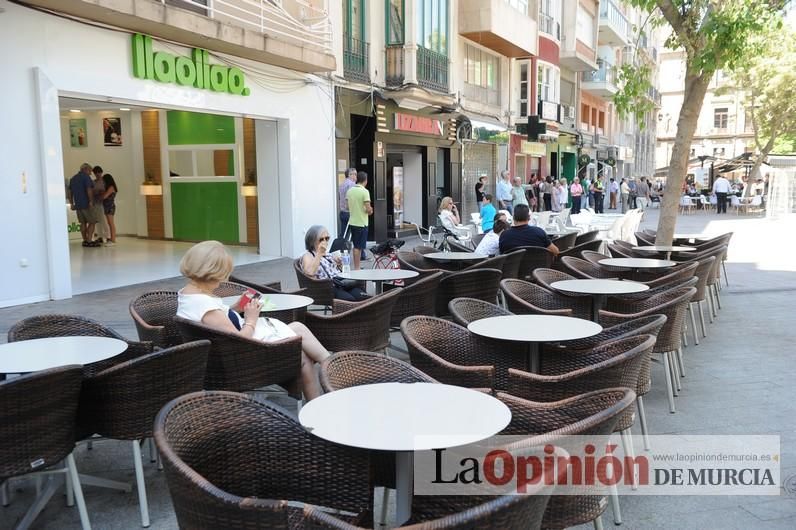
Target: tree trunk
x,y
696,87
753,174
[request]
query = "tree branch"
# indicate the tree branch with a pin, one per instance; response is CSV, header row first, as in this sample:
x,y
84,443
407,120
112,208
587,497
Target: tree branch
x,y
677,22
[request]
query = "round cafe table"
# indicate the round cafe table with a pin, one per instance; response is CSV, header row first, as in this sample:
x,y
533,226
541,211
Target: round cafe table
x,y
599,290
285,307
534,329
664,248
636,263
379,276
51,352
403,418
454,256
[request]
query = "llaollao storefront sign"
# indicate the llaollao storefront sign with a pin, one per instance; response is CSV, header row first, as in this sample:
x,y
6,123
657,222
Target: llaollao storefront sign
x,y
194,71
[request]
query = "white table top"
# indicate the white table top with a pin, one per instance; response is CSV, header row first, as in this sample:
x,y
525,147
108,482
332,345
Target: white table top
x,y
664,248
534,328
454,256
690,236
279,302
405,416
637,263
379,274
41,354
599,286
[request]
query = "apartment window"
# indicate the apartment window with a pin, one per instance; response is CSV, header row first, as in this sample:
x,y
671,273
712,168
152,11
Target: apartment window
x,y
190,6
548,79
354,19
525,88
550,17
481,68
432,25
519,5
584,27
395,21
748,125
721,118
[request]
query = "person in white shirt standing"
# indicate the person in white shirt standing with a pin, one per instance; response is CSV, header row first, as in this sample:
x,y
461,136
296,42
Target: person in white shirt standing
x,y
721,187
505,199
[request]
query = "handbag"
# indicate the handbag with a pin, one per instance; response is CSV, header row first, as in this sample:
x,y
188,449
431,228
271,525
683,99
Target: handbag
x,y
345,283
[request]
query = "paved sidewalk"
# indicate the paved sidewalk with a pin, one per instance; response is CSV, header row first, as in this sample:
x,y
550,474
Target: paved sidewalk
x,y
739,381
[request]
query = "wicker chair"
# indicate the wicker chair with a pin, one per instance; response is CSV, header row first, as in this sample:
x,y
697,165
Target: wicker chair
x,y
450,354
354,368
121,402
580,268
482,284
51,325
290,315
38,412
511,267
321,291
645,239
232,461
586,237
455,246
545,277
673,304
620,252
424,249
153,315
356,325
496,262
594,414
593,257
534,258
565,241
241,364
618,304
466,310
526,298
679,274
577,251
416,262
229,288
418,298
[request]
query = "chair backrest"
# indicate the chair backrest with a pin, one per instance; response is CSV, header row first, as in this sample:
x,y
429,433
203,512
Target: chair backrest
x,y
511,267
455,244
685,201
354,368
220,475
482,284
241,364
495,262
703,273
619,252
734,200
265,288
423,249
566,241
38,413
545,277
563,216
229,289
417,298
526,298
466,310
577,250
615,232
121,402
586,237
584,269
543,220
534,258
414,261
681,273
153,314
593,256
645,239
321,291
647,325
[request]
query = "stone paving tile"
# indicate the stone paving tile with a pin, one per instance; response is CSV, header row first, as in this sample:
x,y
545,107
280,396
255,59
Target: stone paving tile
x,y
739,381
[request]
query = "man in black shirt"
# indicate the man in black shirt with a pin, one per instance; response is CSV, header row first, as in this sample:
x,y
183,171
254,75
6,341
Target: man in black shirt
x,y
479,189
524,235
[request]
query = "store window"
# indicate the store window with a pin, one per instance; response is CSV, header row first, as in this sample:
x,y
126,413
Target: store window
x,y
721,118
481,75
201,162
519,5
395,21
524,88
354,19
584,27
432,25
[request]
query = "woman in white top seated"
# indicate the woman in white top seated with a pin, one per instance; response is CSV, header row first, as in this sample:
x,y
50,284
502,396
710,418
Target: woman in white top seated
x,y
206,265
490,243
449,217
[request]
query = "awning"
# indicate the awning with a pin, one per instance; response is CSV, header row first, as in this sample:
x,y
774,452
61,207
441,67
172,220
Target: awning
x,y
484,122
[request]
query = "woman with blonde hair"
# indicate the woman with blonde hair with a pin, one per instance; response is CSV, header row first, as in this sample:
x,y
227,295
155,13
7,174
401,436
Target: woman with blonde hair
x,y
449,217
206,265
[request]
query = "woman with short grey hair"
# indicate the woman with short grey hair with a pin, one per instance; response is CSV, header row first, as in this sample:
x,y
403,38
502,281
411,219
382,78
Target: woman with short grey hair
x,y
316,262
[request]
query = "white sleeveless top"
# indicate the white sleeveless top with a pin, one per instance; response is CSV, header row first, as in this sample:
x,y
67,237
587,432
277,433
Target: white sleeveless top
x,y
194,306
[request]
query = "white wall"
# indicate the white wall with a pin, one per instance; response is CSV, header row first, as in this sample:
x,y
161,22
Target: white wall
x,y
118,161
99,63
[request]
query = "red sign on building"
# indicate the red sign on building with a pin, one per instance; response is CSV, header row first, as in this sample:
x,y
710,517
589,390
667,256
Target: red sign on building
x,y
418,124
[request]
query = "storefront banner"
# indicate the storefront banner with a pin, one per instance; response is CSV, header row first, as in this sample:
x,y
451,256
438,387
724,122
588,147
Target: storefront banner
x,y
418,124
548,110
533,148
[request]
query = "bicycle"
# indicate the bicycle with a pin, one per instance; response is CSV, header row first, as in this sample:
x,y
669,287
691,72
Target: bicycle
x,y
385,254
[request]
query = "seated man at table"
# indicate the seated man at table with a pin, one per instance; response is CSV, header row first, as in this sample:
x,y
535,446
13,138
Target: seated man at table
x,y
524,235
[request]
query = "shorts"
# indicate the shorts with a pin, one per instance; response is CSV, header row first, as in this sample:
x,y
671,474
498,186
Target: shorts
x,y
359,236
87,215
110,209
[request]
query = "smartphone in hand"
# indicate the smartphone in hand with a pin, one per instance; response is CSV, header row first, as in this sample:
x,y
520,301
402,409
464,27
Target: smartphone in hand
x,y
245,298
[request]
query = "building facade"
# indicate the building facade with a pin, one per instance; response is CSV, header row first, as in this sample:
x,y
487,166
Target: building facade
x,y
724,130
205,116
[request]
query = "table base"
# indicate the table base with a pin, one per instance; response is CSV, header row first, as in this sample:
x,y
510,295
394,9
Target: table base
x,y
404,485
533,357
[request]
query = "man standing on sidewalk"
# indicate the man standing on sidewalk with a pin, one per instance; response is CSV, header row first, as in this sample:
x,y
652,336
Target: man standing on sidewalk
x,y
504,192
348,182
613,189
359,209
721,187
642,194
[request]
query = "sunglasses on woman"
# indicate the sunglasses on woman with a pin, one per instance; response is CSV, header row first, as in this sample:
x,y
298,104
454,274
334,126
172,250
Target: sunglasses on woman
x,y
324,238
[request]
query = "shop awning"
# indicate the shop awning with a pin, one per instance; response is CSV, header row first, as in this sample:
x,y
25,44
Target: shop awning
x,y
489,124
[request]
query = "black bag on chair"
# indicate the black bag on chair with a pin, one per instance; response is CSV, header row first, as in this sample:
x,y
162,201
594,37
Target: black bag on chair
x,y
342,243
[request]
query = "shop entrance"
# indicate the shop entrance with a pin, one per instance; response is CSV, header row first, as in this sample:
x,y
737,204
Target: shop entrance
x,y
180,176
404,186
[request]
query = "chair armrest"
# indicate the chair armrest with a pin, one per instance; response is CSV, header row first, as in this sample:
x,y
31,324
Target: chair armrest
x,y
537,387
343,306
609,318
453,374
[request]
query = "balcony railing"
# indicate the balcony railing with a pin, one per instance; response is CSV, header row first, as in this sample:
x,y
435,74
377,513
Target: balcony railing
x,y
611,14
306,24
356,63
432,69
549,25
604,74
394,72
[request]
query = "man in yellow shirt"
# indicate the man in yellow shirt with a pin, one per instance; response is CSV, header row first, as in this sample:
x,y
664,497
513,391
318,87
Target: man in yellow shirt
x,y
359,208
